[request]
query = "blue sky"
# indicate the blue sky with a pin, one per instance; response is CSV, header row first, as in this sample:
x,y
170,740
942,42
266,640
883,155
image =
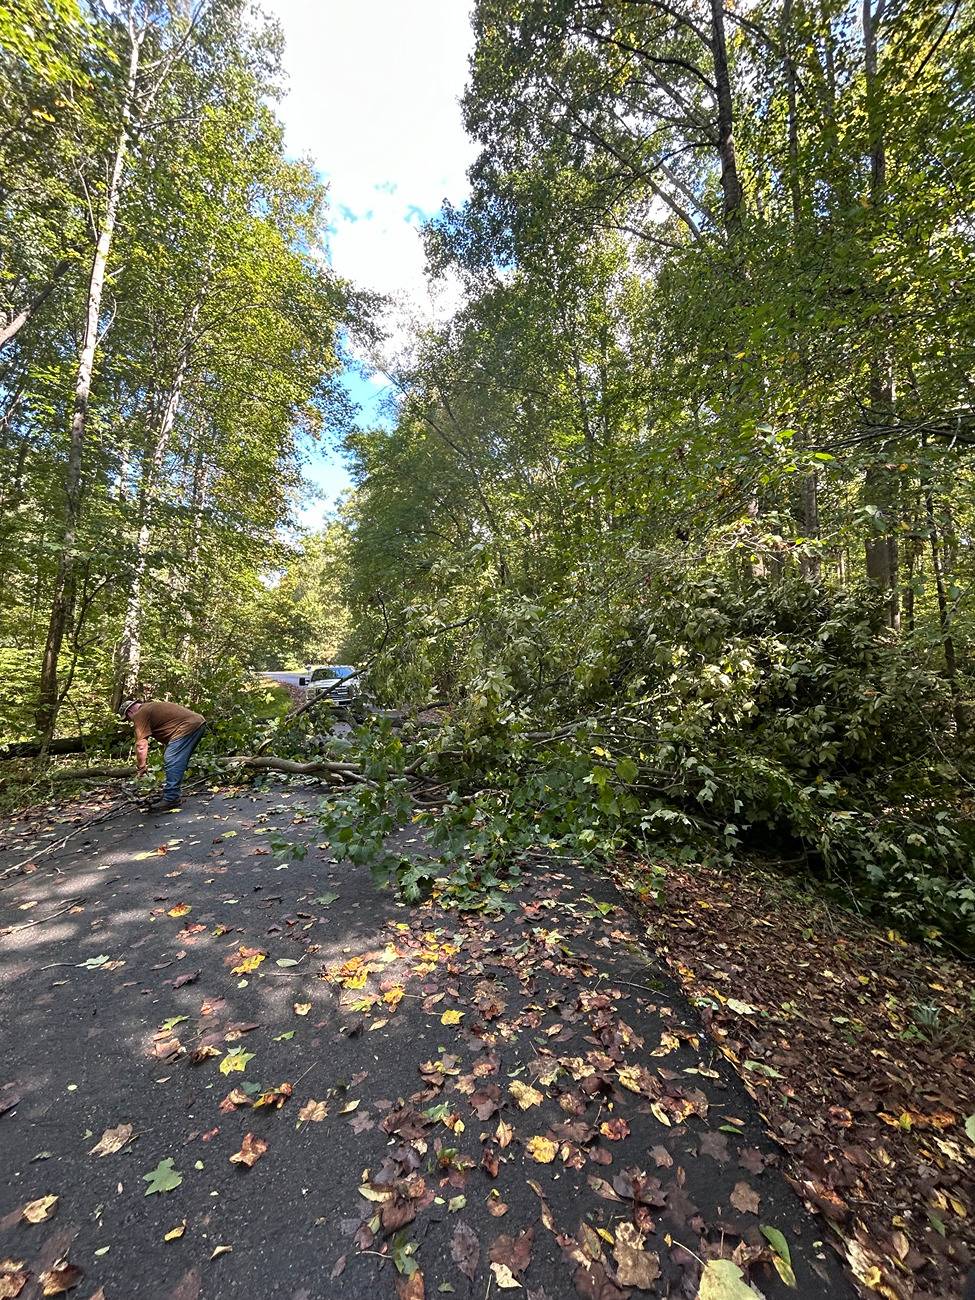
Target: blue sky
x,y
373,101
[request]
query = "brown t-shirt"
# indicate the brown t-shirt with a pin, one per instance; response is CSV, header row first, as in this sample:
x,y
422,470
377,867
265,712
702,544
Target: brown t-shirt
x,y
165,721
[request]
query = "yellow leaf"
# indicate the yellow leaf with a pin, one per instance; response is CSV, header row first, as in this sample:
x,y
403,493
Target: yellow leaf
x,y
356,980
504,1277
181,909
659,1113
246,966
393,997
173,1233
524,1094
451,1017
39,1210
541,1149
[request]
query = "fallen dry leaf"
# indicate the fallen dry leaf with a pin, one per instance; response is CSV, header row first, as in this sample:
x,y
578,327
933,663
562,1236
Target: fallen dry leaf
x,y
13,1276
504,1277
745,1198
302,1008
174,1233
524,1094
251,1150
112,1140
221,1250
39,1210
465,1250
60,1277
542,1149
314,1111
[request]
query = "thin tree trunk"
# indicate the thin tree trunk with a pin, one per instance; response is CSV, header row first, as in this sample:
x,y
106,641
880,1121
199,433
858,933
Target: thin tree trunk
x,y
730,181
62,599
129,654
944,614
880,488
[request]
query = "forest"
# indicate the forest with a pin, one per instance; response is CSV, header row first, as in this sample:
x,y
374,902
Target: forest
x,y
670,540
170,348
623,933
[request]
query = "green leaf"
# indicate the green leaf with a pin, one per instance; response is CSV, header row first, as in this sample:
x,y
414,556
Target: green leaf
x,y
93,963
724,1280
326,899
172,1022
286,961
760,1068
164,1178
285,1037
970,1127
236,1060
782,1256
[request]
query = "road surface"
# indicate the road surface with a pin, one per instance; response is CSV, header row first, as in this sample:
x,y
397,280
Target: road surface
x,y
438,1103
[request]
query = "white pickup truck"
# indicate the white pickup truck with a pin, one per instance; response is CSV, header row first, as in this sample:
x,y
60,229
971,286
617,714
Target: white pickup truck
x,y
333,678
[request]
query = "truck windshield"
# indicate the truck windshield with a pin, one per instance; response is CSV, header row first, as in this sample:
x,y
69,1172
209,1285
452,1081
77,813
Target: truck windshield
x,y
331,672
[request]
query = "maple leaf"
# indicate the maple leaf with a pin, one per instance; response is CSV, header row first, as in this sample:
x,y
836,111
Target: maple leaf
x,y
236,1060
393,997
451,1017
615,1129
541,1149
314,1111
164,1178
524,1094
60,1277
251,1150
465,1250
39,1210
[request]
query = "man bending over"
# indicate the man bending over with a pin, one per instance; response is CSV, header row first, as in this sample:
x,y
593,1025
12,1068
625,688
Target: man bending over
x,y
179,729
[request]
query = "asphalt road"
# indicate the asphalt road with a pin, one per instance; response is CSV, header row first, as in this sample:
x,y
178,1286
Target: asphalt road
x,y
488,1104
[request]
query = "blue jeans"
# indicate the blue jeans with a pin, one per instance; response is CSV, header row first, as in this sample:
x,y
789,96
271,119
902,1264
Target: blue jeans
x,y
176,757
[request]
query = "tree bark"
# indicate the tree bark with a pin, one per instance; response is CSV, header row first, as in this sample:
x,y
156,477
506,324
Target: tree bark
x,y
129,654
65,579
880,488
730,181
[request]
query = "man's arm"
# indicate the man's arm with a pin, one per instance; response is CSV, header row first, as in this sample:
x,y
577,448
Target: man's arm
x,y
141,754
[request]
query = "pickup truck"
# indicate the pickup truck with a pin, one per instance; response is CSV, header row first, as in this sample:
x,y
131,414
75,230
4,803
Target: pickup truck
x,y
322,677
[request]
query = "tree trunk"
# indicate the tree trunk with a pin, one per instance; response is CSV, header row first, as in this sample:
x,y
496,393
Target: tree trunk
x,y
62,599
944,614
129,654
730,181
880,488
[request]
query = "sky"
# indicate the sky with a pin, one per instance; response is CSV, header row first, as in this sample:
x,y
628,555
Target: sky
x,y
373,91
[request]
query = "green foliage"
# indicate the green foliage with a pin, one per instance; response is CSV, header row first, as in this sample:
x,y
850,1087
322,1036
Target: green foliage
x,y
215,369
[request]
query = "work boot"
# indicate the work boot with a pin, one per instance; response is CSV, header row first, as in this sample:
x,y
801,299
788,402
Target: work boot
x,y
163,805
